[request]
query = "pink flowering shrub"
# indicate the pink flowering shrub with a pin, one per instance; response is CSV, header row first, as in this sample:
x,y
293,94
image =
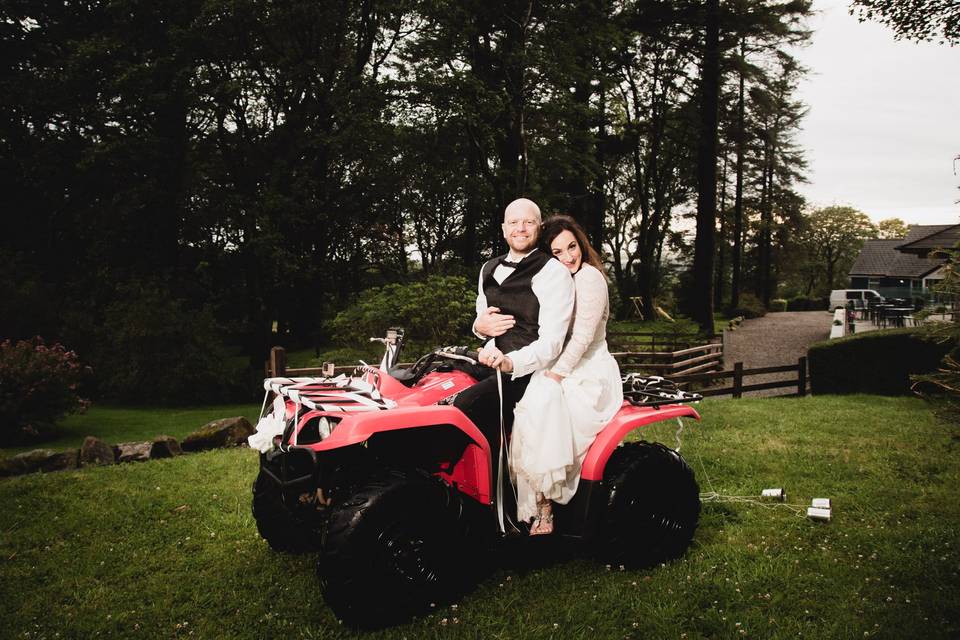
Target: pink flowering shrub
x,y
39,384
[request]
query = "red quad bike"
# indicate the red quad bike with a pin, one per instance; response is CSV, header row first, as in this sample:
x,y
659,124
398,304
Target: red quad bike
x,y
395,487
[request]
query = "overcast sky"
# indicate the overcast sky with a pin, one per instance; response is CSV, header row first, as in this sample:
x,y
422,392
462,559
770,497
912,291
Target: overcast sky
x,y
884,120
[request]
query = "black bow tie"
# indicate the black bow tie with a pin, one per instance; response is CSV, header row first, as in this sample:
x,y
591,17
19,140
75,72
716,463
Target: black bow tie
x,y
507,263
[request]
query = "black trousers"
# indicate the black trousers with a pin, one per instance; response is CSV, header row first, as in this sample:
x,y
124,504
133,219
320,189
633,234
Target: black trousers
x,y
481,403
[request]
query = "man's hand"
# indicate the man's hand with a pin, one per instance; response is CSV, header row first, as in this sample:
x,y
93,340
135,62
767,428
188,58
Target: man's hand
x,y
492,323
494,358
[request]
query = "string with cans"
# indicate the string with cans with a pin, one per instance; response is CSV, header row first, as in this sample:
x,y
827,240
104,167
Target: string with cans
x,y
819,509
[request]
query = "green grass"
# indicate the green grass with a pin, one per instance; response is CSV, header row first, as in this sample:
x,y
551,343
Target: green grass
x,y
169,549
114,424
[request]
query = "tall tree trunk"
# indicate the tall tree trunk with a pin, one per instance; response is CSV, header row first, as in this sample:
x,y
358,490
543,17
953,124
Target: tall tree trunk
x,y
472,213
722,240
737,257
765,235
707,172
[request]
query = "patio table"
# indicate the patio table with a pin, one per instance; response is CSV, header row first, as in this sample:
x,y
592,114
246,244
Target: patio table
x,y
896,315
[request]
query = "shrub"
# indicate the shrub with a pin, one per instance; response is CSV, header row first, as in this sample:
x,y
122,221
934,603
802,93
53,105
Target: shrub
x,y
154,348
778,304
879,362
435,312
749,307
39,384
947,377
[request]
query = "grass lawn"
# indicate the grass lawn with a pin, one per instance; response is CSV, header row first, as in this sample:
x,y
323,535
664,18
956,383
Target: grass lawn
x,y
114,424
168,548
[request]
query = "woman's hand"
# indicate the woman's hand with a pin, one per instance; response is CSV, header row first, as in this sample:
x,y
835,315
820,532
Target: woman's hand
x,y
556,377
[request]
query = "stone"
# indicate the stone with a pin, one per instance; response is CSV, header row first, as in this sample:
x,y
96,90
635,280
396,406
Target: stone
x,y
133,451
226,432
39,460
165,447
95,451
11,467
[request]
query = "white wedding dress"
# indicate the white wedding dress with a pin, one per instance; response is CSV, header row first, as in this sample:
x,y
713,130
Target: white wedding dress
x,y
555,423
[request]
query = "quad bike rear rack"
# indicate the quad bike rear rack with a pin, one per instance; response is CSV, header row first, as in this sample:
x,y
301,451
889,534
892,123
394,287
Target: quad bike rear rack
x,y
654,391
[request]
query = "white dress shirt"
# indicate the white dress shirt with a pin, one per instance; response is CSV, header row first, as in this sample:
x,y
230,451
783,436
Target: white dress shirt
x,y
554,288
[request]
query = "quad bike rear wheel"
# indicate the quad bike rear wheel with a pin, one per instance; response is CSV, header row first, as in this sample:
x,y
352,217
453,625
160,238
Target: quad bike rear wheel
x,y
403,541
277,524
653,507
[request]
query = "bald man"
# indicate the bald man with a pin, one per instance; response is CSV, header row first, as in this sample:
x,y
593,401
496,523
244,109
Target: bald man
x,y
524,306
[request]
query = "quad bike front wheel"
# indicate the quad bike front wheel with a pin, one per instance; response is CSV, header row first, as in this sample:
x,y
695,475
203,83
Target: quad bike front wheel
x,y
403,541
276,522
653,507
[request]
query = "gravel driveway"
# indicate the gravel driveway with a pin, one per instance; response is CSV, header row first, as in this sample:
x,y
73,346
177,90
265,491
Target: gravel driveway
x,y
775,339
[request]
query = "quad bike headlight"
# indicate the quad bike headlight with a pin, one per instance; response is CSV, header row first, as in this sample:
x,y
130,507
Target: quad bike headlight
x,y
325,427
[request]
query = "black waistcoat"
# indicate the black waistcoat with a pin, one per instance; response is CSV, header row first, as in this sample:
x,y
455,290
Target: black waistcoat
x,y
514,296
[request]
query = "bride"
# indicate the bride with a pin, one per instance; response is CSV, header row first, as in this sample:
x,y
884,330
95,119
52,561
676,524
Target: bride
x,y
565,407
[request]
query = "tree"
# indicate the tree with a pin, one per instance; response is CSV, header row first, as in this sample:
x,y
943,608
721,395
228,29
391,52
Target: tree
x,y
891,228
836,237
914,19
707,172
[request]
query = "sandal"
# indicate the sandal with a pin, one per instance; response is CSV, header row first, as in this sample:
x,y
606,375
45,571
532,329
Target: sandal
x,y
543,522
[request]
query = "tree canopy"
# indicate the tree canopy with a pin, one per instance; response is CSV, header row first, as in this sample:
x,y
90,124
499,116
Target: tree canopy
x,y
255,165
930,20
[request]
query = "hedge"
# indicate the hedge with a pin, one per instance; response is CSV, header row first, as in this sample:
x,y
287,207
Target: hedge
x,y
878,362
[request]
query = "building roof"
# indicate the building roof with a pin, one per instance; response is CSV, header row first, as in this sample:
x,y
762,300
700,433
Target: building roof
x,y
922,239
881,258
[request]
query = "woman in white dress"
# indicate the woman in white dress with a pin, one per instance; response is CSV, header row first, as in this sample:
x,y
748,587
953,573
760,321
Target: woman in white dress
x,y
565,407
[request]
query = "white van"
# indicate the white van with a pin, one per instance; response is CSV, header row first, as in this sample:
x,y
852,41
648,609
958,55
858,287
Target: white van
x,y
861,298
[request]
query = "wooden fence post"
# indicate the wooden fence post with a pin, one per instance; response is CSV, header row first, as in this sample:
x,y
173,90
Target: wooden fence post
x,y
278,362
738,380
802,377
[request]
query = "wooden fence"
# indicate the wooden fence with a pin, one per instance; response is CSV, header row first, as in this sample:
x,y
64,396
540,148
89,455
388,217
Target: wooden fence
x,y
666,355
738,388
649,341
277,366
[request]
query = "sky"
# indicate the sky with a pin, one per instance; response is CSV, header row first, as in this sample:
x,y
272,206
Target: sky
x,y
883,126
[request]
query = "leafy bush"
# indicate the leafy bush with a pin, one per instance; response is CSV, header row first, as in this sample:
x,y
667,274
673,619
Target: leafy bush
x,y
435,312
879,362
749,307
947,378
778,304
154,348
39,384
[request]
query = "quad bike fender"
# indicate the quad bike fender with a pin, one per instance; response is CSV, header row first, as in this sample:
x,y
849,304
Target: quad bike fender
x,y
472,473
629,417
362,425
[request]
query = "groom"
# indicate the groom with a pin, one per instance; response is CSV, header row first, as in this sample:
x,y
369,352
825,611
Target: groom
x,y
524,305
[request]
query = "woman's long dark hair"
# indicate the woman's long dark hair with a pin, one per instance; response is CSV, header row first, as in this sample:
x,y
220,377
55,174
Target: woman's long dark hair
x,y
557,224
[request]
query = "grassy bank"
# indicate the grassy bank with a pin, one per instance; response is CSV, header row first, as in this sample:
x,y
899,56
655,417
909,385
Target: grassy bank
x,y
168,548
135,424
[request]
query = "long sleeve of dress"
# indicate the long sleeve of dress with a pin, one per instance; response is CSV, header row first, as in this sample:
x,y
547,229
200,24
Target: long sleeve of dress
x,y
590,315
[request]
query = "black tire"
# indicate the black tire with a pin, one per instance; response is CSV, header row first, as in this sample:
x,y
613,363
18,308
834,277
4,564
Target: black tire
x,y
402,542
277,524
653,507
